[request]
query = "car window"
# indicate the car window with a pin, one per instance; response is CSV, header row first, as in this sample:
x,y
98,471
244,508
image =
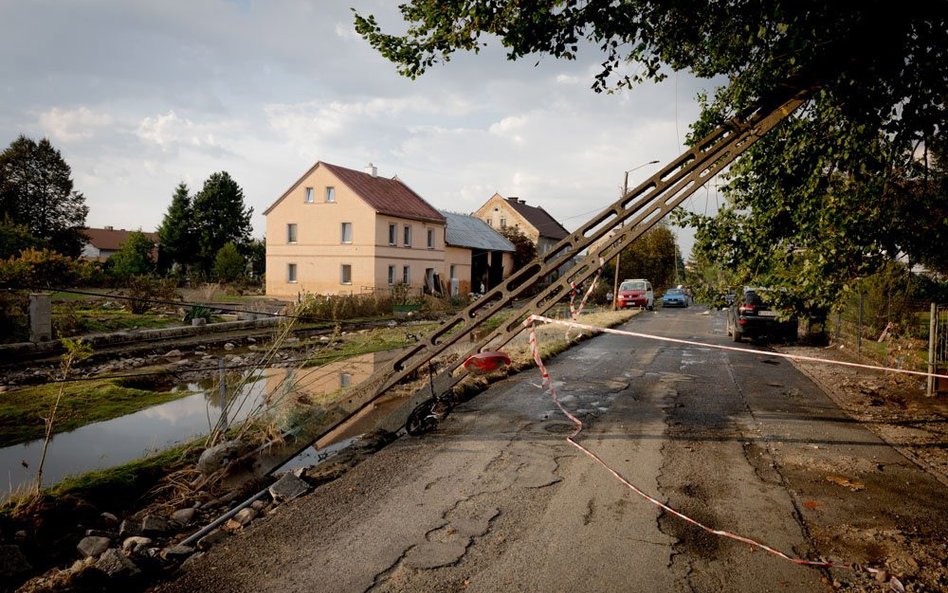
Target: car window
x,y
752,298
632,286
673,291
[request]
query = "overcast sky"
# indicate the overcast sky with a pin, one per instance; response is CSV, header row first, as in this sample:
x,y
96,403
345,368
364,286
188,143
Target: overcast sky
x,y
141,95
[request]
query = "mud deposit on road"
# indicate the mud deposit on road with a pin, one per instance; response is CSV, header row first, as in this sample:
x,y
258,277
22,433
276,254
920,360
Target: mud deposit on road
x,y
894,408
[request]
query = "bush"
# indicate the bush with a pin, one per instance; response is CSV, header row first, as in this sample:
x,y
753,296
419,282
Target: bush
x,y
145,289
35,268
14,316
197,312
229,265
337,307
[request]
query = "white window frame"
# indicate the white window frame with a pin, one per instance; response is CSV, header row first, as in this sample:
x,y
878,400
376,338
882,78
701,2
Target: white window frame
x,y
343,268
391,275
330,194
406,235
292,233
291,274
392,233
342,236
309,196
503,222
431,239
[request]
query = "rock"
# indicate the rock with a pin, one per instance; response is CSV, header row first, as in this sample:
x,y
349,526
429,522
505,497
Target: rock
x,y
198,322
323,339
135,544
101,533
245,516
287,488
155,525
12,561
93,545
109,519
173,353
130,527
184,516
882,576
212,538
259,505
233,526
251,340
176,552
229,346
292,340
116,566
217,457
20,535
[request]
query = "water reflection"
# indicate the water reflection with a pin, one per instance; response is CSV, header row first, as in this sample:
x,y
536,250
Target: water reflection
x,y
120,440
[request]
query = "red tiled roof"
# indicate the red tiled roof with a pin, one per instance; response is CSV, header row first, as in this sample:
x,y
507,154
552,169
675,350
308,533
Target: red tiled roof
x,y
539,218
112,239
387,196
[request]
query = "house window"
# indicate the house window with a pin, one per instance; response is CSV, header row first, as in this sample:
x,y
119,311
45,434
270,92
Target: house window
x,y
330,194
430,238
453,271
291,273
291,232
310,195
406,275
503,222
391,275
393,234
407,235
346,274
347,232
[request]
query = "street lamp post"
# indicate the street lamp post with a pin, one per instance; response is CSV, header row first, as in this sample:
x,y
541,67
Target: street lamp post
x,y
615,280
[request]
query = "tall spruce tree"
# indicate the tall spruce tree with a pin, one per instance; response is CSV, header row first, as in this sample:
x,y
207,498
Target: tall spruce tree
x,y
36,191
220,217
176,236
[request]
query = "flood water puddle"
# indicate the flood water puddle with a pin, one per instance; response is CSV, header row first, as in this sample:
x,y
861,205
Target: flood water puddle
x,y
120,440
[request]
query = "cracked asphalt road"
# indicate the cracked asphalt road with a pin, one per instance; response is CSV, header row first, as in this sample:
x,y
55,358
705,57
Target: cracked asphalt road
x,y
495,500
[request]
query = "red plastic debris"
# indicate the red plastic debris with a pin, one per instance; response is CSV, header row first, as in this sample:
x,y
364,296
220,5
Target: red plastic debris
x,y
486,362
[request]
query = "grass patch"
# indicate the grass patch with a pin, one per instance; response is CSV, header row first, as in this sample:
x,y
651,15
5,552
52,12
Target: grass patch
x,y
84,402
375,340
116,487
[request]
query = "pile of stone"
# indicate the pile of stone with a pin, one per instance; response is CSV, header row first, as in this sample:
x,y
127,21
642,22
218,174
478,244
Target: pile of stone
x,y
121,553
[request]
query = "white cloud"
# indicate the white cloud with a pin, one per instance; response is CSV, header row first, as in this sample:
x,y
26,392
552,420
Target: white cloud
x,y
67,125
169,131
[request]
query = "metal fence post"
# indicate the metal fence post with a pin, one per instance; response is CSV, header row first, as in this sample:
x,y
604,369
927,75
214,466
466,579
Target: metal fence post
x,y
859,327
932,346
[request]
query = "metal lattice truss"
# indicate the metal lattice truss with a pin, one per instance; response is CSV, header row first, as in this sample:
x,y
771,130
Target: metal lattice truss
x,y
627,219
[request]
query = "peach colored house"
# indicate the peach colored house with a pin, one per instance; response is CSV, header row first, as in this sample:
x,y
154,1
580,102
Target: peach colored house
x,y
342,231
533,221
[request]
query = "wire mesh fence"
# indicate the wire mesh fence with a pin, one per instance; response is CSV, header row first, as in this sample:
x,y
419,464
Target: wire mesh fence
x,y
891,329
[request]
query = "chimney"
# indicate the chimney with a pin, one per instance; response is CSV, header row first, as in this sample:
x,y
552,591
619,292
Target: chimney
x,y
513,199
523,201
371,170
109,228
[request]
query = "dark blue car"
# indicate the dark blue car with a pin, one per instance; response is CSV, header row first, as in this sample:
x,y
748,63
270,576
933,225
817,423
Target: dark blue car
x,y
674,297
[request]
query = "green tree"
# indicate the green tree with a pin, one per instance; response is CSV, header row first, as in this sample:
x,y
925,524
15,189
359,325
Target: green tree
x,y
36,190
135,258
14,238
653,256
220,217
822,199
526,250
258,258
229,265
176,235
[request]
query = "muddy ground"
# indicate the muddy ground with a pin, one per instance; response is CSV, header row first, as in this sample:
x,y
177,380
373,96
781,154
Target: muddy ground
x,y
894,407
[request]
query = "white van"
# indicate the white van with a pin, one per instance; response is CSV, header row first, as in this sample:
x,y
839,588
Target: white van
x,y
636,292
